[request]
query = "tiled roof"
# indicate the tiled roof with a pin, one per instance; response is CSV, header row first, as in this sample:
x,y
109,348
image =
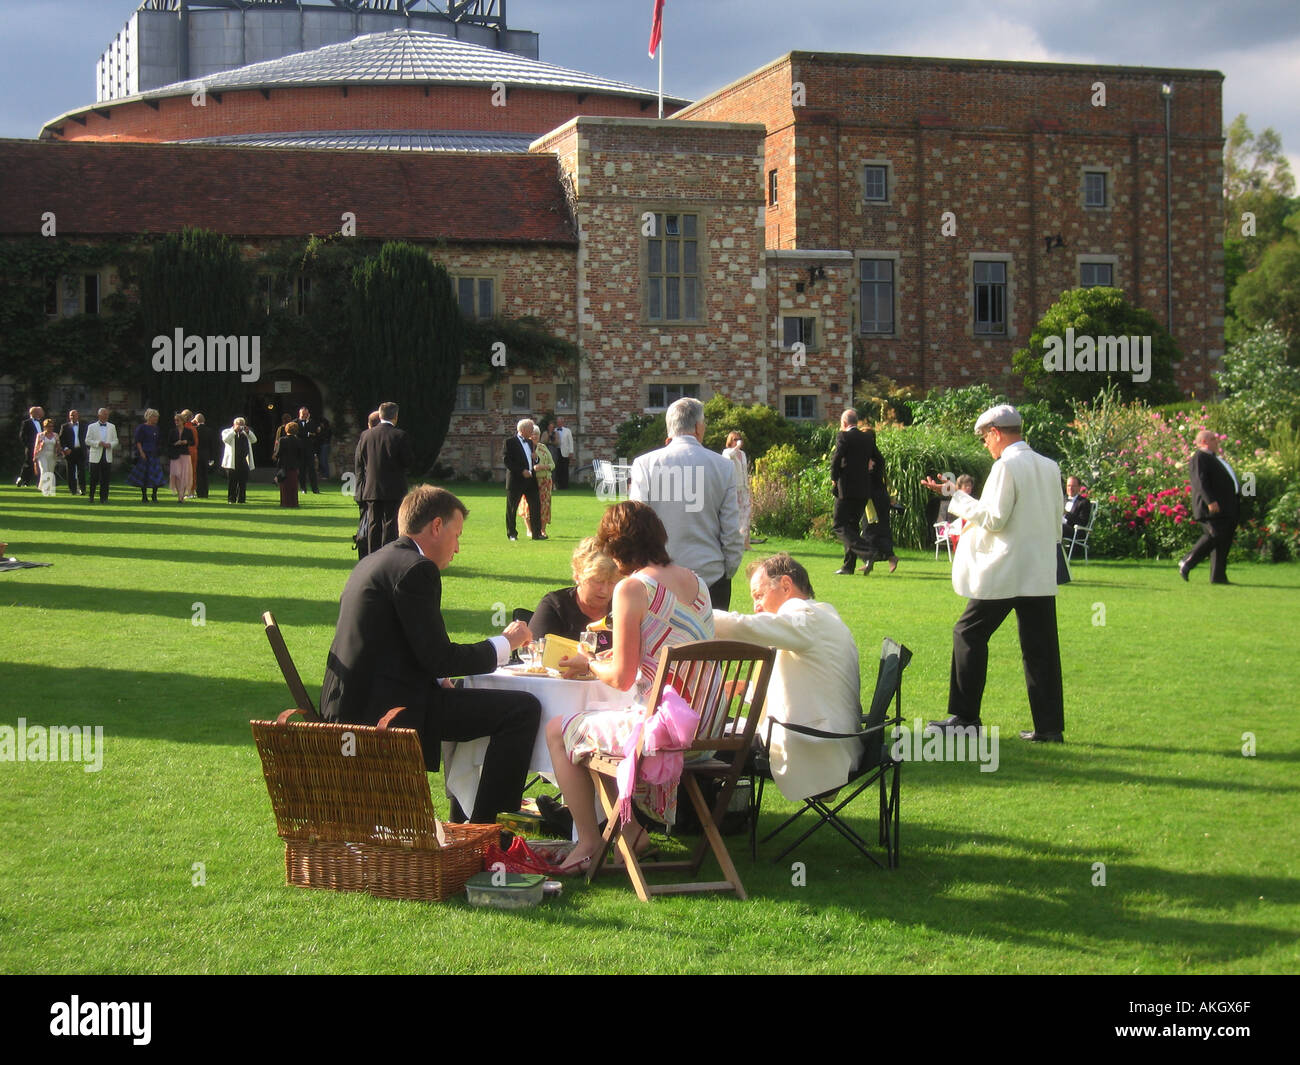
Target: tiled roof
x,y
95,188
388,140
411,56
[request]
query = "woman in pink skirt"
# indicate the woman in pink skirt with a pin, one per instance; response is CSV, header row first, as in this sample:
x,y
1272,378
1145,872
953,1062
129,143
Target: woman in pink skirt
x,y
180,473
656,605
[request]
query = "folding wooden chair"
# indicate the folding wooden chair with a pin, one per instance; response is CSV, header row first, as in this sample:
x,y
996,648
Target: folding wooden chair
x,y
713,676
877,766
296,688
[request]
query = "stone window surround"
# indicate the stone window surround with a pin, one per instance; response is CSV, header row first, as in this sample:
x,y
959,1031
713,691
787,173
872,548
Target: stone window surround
x,y
703,216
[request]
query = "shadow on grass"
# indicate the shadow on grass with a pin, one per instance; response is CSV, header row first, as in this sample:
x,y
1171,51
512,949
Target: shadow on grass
x,y
1013,890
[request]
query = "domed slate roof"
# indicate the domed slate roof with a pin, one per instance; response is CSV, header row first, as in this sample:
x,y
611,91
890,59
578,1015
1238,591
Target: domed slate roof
x,y
405,56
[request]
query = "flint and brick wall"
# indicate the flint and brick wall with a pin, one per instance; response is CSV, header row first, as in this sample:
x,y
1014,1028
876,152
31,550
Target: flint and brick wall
x,y
1003,147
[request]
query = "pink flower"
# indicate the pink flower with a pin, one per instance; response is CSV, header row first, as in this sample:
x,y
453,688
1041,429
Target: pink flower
x,y
1178,520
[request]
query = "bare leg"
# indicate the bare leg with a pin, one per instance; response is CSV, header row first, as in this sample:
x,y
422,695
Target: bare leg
x,y
579,795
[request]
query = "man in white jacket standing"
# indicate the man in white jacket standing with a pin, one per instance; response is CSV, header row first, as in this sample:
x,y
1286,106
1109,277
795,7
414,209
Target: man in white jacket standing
x,y
814,679
1005,561
101,442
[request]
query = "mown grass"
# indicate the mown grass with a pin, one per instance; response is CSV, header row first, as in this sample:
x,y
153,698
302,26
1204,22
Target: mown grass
x,y
1198,841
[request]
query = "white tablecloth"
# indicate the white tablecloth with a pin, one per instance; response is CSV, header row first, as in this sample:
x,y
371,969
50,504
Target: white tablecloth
x,y
463,762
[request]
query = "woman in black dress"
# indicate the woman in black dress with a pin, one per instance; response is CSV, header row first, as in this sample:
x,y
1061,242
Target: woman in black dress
x,y
290,454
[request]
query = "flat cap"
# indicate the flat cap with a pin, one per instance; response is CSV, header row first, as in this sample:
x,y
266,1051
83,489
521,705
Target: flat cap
x,y
1003,416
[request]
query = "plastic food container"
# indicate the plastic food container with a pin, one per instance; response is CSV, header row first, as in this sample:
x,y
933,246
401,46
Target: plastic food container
x,y
505,891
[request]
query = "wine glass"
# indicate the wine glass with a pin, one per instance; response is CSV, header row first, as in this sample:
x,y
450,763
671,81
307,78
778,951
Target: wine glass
x,y
589,641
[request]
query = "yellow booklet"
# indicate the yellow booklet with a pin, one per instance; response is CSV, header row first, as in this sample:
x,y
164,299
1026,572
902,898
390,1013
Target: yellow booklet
x,y
558,647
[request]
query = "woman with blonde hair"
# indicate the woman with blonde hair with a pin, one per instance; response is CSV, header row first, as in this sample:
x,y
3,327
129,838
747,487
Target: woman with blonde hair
x,y
147,473
567,611
44,455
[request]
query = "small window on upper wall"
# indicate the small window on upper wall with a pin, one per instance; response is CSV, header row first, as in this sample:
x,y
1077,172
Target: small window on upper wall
x,y
476,296
1092,275
521,397
771,188
661,396
1094,188
563,398
990,297
799,331
875,183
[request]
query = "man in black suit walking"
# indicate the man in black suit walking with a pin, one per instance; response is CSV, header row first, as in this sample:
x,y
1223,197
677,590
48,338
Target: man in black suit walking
x,y
391,649
28,430
520,481
384,457
72,442
1215,504
851,483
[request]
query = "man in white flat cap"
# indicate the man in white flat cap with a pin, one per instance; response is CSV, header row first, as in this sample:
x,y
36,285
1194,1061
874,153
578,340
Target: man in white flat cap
x,y
1005,561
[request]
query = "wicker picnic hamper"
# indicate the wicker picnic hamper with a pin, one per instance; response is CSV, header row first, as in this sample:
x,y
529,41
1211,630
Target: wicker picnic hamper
x,y
352,805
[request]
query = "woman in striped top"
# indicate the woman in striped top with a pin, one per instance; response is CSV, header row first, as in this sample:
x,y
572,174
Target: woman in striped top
x,y
656,605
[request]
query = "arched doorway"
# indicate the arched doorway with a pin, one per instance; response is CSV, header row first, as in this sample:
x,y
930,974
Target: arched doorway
x,y
275,394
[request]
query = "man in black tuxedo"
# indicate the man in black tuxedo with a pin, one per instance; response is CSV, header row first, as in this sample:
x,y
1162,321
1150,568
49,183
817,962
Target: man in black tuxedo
x,y
28,430
207,454
391,649
1078,509
309,434
384,457
851,482
72,442
520,481
1216,504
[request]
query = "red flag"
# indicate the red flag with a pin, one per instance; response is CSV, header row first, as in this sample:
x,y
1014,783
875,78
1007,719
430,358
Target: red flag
x,y
656,27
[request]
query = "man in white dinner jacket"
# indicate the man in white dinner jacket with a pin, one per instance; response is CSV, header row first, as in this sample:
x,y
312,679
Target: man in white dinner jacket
x,y
693,490
1005,561
101,442
814,679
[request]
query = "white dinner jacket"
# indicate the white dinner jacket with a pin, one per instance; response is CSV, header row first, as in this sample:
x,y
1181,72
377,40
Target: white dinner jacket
x,y
692,490
97,438
228,452
814,682
1008,547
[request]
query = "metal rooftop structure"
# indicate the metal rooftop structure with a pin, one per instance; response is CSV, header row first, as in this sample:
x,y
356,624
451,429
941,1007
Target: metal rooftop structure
x,y
166,41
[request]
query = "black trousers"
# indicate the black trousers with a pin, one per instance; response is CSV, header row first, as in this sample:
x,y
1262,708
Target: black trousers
x,y
518,485
1040,650
846,522
100,474
383,523
508,719
308,473
76,459
878,533
720,594
1216,541
201,478
237,486
561,471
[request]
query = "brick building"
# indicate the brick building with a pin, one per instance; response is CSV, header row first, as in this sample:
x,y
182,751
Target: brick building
x,y
970,194
914,215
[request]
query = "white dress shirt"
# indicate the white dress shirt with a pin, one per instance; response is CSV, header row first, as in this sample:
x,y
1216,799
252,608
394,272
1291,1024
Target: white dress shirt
x,y
815,682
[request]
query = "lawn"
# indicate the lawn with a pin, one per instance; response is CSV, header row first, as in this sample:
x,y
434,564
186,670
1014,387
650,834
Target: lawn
x,y
167,861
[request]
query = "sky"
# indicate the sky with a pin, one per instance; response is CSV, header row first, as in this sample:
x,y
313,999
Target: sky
x,y
48,48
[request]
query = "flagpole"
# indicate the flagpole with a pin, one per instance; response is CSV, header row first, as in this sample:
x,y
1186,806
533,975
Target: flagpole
x,y
661,77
